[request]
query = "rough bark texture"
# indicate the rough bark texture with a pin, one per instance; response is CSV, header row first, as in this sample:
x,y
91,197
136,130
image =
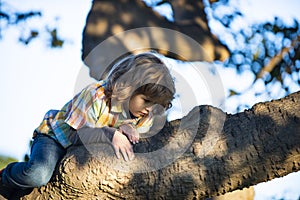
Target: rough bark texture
x,y
111,17
253,146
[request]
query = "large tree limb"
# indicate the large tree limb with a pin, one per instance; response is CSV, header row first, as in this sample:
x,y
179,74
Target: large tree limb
x,y
109,18
253,146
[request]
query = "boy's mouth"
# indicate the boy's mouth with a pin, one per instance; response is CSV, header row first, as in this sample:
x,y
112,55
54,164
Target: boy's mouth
x,y
142,114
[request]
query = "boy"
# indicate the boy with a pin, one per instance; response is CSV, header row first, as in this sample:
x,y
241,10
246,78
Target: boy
x,y
114,110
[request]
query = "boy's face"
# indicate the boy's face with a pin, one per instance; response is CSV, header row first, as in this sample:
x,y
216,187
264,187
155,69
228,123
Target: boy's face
x,y
139,105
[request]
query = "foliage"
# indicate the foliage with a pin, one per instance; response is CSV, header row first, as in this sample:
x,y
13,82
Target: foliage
x,y
270,50
11,17
4,160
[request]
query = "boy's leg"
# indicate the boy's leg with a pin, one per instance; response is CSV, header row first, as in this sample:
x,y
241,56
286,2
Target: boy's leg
x,y
5,192
45,154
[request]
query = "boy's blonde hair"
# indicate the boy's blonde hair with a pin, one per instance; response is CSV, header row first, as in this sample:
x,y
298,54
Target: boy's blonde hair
x,y
145,74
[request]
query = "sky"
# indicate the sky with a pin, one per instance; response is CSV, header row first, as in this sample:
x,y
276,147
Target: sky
x,y
36,78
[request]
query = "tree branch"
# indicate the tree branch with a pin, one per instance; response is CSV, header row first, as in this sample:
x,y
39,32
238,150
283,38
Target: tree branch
x,y
277,59
250,147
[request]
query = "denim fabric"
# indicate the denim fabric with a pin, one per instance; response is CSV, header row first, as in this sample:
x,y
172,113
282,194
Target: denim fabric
x,y
45,154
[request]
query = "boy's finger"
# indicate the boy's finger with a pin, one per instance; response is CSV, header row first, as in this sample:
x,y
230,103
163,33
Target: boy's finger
x,y
134,141
131,157
131,138
124,153
137,140
117,152
130,153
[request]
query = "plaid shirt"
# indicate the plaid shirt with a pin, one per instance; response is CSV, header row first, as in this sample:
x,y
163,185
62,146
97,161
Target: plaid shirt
x,y
88,108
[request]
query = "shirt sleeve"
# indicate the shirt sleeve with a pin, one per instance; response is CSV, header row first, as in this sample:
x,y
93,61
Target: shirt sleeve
x,y
83,109
89,135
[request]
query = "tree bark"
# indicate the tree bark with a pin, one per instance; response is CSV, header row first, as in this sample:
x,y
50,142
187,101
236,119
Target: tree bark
x,y
245,149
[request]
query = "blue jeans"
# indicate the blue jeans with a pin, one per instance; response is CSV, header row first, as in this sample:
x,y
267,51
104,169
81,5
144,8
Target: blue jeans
x,y
45,154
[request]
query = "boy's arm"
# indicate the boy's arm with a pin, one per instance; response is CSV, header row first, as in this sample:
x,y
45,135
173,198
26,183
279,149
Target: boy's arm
x,y
110,135
90,135
121,144
130,131
133,131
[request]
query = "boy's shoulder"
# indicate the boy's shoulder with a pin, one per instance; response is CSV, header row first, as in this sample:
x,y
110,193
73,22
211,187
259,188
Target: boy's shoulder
x,y
96,87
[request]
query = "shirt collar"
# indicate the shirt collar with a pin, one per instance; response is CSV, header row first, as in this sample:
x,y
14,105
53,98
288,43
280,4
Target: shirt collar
x,y
116,107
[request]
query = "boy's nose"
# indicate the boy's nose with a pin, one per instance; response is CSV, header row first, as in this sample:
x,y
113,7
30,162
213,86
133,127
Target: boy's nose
x,y
149,108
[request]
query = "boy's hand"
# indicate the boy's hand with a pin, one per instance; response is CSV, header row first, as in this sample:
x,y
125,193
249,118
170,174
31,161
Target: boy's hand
x,y
130,132
121,143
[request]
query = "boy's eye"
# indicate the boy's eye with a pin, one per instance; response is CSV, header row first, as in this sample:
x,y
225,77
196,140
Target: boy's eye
x,y
147,101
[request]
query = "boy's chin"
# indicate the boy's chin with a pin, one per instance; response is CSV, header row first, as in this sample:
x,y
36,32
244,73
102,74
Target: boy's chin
x,y
134,115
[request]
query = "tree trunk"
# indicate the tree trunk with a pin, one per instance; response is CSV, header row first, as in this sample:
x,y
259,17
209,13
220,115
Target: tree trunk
x,y
228,152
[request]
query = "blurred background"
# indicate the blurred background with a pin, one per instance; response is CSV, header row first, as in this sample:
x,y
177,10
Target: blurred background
x,y
41,49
